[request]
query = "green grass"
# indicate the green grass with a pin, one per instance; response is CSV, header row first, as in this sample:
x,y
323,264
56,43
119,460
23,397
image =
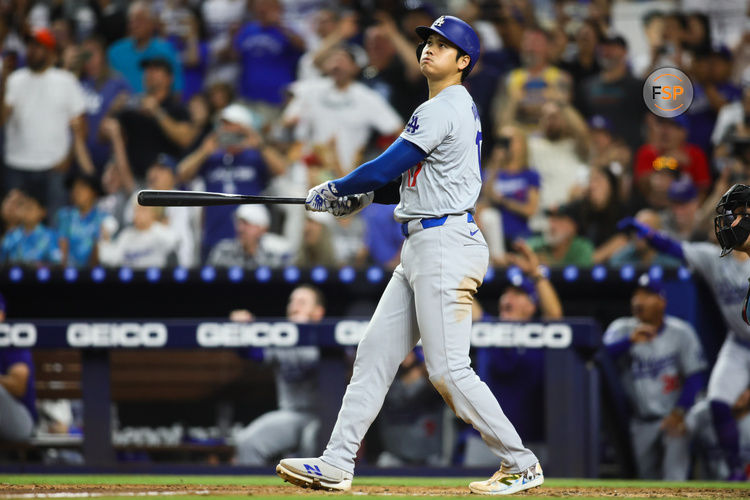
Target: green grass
x,y
362,481
742,489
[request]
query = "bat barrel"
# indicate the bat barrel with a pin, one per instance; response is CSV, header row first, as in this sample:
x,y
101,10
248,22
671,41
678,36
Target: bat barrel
x,y
158,198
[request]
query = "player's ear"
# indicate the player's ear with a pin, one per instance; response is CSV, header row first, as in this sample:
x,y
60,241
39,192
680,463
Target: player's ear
x,y
463,62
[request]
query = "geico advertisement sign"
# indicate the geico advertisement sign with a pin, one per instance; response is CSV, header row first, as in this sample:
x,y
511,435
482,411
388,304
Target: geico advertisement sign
x,y
17,335
530,335
247,334
117,335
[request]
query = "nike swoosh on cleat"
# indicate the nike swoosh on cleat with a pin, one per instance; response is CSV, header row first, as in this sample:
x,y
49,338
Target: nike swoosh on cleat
x,y
472,233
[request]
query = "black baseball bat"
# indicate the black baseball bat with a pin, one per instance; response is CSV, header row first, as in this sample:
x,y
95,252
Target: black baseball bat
x,y
158,198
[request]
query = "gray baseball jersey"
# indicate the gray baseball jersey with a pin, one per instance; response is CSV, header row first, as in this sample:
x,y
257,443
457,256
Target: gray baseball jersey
x,y
727,279
652,371
296,376
448,180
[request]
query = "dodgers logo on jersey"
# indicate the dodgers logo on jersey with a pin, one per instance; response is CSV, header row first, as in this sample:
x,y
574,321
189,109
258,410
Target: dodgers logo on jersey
x,y
412,126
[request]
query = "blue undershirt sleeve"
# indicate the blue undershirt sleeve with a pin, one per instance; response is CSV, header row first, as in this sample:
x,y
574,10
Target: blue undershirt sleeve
x,y
394,161
690,388
619,348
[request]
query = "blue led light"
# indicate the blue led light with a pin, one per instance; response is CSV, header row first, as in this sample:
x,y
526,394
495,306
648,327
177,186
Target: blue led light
x,y
208,273
599,273
42,274
347,274
374,274
490,274
684,273
15,273
98,274
70,274
180,274
125,274
319,274
263,274
656,273
153,274
570,273
235,274
627,272
291,274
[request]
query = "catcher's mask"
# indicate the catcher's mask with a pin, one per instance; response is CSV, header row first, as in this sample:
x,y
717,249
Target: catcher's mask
x,y
734,204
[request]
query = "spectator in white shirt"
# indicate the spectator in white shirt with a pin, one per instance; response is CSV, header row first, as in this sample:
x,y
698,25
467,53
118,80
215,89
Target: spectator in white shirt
x,y
147,243
340,108
40,107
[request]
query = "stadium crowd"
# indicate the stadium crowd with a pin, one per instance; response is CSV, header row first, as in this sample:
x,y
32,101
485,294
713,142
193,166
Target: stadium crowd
x,y
105,97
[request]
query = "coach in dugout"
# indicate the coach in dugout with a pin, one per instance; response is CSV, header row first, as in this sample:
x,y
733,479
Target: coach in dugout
x,y
662,368
517,370
17,396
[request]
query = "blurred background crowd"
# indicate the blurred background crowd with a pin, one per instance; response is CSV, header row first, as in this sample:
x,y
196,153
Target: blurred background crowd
x,y
102,98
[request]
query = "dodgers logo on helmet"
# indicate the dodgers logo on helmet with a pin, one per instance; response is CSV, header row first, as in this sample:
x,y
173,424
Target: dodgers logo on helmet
x,y
456,31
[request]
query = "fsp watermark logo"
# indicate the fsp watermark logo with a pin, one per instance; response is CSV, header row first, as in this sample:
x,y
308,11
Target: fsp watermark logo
x,y
668,92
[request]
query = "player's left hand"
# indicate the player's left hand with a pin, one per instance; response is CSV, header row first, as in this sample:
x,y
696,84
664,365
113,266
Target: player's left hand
x,y
320,198
674,424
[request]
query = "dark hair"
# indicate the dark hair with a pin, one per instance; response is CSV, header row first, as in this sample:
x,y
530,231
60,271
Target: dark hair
x,y
320,298
651,15
465,72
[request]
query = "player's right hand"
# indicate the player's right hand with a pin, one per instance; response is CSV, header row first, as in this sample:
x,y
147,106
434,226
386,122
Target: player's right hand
x,y
643,333
320,198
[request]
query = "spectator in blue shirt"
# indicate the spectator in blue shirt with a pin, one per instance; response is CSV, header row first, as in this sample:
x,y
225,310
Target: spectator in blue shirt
x,y
268,54
512,190
233,159
78,226
17,396
383,236
32,242
105,91
126,55
189,42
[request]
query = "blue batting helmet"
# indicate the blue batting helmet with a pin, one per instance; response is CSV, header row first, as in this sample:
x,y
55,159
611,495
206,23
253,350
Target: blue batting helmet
x,y
456,31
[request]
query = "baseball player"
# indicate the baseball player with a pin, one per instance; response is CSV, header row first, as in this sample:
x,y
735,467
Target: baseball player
x,y
727,279
444,259
294,425
662,368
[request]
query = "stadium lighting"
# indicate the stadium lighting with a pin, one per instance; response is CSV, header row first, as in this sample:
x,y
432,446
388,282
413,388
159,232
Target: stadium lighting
x,y
656,273
153,274
42,274
98,274
235,274
319,274
208,273
374,274
347,274
263,274
180,274
70,274
570,273
684,273
15,273
291,274
627,272
599,273
125,274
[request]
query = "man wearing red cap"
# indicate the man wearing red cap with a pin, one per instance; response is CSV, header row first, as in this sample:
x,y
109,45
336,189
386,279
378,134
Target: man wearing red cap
x,y
41,104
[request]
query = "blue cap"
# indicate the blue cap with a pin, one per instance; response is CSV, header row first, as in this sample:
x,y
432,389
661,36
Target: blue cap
x,y
646,282
525,285
456,31
682,190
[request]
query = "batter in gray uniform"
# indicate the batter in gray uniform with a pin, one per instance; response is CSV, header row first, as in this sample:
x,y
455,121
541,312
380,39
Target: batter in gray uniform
x,y
443,261
661,365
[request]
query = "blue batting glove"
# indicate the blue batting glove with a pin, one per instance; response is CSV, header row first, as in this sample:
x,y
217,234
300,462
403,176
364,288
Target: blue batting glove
x,y
320,198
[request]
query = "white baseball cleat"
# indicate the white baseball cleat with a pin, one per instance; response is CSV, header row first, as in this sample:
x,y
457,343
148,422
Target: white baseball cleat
x,y
504,483
314,473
